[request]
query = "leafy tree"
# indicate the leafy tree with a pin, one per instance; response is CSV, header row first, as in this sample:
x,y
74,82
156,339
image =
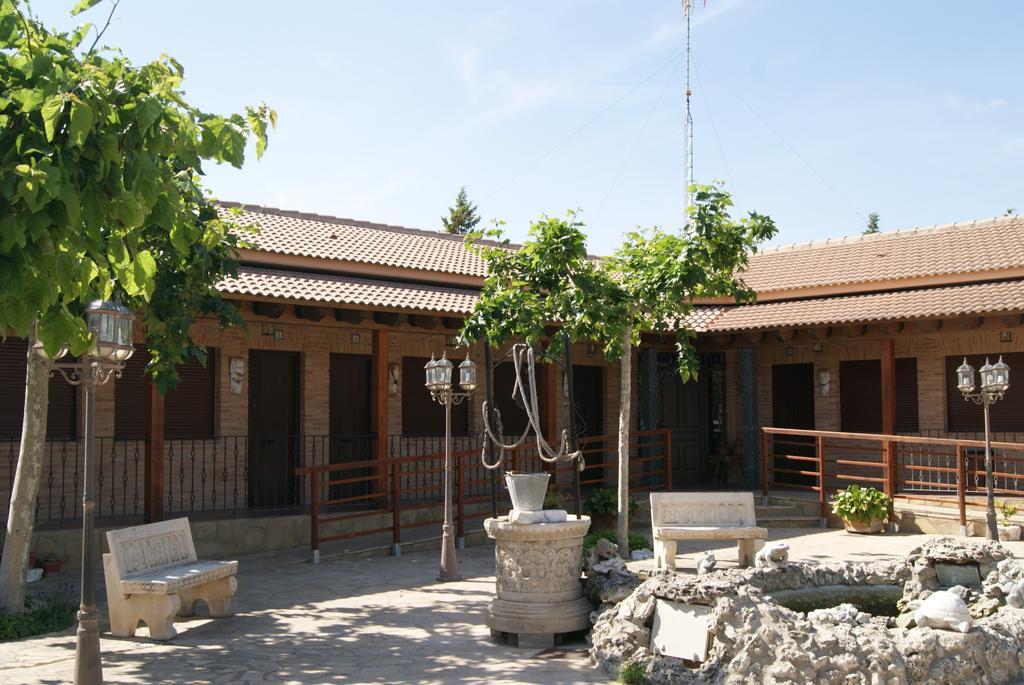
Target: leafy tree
x,y
872,226
649,284
100,167
462,218
1010,212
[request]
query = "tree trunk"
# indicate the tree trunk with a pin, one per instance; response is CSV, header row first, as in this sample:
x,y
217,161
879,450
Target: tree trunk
x,y
625,386
21,517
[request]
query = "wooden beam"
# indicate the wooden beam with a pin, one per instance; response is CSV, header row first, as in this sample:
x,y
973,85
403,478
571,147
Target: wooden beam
x,y
819,333
755,337
154,465
351,315
380,391
891,327
271,310
785,334
725,340
933,326
310,313
971,323
387,318
888,350
454,323
855,330
421,321
1010,320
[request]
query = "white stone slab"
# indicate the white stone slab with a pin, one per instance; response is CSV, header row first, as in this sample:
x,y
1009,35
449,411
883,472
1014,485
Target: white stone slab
x,y
681,630
522,516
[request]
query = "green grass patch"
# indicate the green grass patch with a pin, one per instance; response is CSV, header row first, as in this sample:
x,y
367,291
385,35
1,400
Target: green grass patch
x,y
45,614
633,674
636,541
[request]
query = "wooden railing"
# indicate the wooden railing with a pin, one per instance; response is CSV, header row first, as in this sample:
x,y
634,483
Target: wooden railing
x,y
945,470
377,496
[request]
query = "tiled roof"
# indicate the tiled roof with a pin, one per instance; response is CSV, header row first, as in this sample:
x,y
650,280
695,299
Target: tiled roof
x,y
975,246
346,290
700,318
927,303
327,237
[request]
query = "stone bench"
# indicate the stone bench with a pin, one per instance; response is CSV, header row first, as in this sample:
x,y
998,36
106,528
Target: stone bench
x,y
152,575
704,516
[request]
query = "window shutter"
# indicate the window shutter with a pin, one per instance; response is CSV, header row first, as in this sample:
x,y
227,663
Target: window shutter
x,y
62,414
189,408
1007,415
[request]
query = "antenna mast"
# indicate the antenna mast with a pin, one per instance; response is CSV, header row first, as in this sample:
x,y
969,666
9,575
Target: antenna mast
x,y
687,124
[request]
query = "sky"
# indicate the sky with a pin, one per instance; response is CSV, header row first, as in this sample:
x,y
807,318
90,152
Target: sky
x,y
815,113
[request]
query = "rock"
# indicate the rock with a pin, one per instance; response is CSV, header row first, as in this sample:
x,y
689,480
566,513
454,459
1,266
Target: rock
x,y
758,641
641,554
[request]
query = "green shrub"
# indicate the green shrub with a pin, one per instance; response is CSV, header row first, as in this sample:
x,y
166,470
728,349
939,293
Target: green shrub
x,y
41,615
605,501
1007,510
636,541
862,505
634,673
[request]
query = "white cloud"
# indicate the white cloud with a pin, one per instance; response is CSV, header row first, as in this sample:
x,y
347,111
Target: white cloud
x,y
959,102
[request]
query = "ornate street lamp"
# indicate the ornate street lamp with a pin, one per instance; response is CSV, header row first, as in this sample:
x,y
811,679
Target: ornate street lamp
x,y
995,380
111,326
439,383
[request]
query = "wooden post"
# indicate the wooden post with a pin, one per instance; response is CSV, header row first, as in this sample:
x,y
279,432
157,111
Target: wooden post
x,y
961,487
154,466
668,460
889,458
314,515
765,458
822,491
396,508
888,346
379,371
460,508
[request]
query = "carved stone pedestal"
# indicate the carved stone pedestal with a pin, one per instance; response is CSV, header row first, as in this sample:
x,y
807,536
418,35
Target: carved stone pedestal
x,y
538,567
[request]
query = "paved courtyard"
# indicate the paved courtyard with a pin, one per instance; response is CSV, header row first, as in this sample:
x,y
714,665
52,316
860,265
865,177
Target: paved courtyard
x,y
379,620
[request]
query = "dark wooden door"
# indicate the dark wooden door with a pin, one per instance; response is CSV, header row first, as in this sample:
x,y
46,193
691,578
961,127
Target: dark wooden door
x,y
588,392
793,407
351,398
273,429
684,411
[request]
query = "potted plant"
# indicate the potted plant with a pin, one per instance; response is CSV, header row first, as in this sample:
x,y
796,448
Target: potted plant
x,y
863,510
51,564
1008,531
602,506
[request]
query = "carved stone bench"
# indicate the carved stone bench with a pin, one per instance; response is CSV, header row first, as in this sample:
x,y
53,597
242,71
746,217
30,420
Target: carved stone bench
x,y
704,516
152,575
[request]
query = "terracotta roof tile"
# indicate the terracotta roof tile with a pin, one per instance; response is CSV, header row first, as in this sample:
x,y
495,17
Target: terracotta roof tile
x,y
331,289
313,235
927,303
941,250
700,318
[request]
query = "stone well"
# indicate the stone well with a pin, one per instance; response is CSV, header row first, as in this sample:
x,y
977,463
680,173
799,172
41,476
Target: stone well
x,y
755,638
539,591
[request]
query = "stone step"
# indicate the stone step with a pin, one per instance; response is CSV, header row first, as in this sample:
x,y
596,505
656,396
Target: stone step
x,y
775,510
788,521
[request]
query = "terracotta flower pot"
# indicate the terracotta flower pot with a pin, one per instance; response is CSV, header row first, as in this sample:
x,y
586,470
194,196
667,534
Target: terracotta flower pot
x,y
864,528
50,567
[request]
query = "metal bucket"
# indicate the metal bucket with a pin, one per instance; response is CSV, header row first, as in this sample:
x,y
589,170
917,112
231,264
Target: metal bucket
x,y
527,490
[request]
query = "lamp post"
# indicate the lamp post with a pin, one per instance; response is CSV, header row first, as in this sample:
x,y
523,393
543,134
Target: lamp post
x,y
111,326
995,380
442,391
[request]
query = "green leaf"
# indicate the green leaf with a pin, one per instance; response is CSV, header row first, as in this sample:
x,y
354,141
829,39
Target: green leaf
x,y
81,122
51,112
31,99
83,5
